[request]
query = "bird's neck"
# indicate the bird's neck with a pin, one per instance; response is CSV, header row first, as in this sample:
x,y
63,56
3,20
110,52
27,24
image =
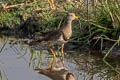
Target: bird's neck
x,y
67,24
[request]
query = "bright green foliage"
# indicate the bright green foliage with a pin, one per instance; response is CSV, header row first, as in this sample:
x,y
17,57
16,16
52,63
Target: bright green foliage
x,y
95,19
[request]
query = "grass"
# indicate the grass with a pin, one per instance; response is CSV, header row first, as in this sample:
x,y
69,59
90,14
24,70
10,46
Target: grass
x,y
101,19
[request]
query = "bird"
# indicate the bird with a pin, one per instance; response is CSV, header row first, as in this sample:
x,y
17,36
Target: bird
x,y
57,73
60,36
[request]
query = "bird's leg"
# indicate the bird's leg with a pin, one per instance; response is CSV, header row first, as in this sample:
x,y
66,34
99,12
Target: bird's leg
x,y
52,52
54,58
62,54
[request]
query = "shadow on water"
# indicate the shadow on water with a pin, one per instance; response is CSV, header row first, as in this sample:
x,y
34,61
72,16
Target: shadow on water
x,y
19,61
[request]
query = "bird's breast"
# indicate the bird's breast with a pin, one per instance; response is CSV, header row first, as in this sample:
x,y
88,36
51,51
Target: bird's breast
x,y
67,33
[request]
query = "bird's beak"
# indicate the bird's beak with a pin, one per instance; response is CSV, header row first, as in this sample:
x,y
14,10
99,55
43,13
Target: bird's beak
x,y
76,17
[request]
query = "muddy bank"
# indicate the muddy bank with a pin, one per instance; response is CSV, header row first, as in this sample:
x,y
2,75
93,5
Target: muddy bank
x,y
29,29
24,30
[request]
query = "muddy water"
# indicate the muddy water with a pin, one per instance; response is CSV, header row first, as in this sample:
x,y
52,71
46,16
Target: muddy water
x,y
17,61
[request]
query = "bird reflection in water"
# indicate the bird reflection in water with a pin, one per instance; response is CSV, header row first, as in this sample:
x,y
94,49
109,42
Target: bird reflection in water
x,y
56,73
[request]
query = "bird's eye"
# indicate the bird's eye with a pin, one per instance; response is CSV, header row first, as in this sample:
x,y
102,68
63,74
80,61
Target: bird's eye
x,y
71,15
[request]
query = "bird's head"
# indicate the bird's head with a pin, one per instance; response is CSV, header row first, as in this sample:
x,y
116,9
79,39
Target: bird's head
x,y
71,16
70,76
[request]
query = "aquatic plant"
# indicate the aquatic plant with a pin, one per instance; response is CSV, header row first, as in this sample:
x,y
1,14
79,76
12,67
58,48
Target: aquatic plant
x,y
98,20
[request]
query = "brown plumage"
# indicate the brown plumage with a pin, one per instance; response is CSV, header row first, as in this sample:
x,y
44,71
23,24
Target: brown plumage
x,y
63,34
56,73
60,36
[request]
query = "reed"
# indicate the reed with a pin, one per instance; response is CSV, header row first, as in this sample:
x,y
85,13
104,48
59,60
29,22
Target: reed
x,y
96,18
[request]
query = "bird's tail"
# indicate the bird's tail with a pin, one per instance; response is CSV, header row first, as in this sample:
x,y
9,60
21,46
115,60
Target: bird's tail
x,y
32,41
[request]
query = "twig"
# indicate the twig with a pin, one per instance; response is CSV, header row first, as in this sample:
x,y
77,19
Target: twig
x,y
5,6
3,46
52,4
40,9
11,6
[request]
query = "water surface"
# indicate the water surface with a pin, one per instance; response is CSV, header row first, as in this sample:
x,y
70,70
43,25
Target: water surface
x,y
17,61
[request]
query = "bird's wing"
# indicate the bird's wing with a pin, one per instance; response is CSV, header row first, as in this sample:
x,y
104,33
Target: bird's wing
x,y
53,35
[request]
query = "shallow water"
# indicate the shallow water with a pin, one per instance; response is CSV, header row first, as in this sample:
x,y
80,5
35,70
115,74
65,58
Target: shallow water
x,y
17,61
